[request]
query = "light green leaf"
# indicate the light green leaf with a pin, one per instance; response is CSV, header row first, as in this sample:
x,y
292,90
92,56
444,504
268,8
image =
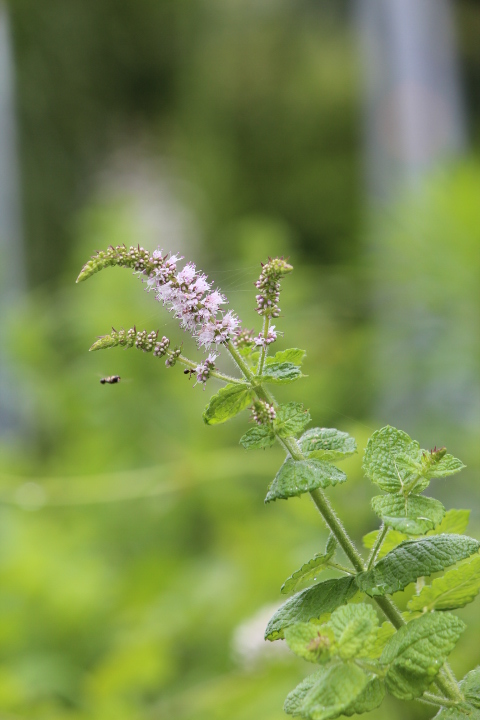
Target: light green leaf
x,y
327,444
465,712
383,635
293,355
280,373
334,692
295,698
355,629
259,436
456,588
309,571
291,419
454,522
380,453
311,603
296,477
417,651
470,686
413,559
392,539
414,514
310,641
228,402
446,466
369,699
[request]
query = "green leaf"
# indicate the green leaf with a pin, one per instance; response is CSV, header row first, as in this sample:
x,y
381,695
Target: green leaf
x,y
456,588
470,686
454,522
310,641
392,539
464,712
448,465
336,690
369,699
295,698
280,373
327,444
308,571
311,603
291,419
413,559
259,436
296,477
293,355
417,651
384,633
228,402
380,453
414,514
355,629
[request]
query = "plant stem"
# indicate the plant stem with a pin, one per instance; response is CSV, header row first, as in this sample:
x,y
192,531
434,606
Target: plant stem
x,y
337,566
436,700
213,373
263,354
377,545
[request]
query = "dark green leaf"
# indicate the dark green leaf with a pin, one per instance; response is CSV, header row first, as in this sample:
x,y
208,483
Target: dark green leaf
x,y
259,436
228,402
311,603
327,444
414,514
413,559
293,355
417,651
291,419
296,477
380,453
280,373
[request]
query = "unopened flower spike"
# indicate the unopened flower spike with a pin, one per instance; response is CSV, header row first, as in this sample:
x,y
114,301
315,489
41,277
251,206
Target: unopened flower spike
x,y
128,338
269,286
263,413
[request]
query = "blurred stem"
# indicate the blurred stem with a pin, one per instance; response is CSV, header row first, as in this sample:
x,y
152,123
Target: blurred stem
x,y
213,373
263,354
377,545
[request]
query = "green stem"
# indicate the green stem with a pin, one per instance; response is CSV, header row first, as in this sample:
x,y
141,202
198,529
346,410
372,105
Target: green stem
x,y
213,373
263,354
377,545
337,566
435,700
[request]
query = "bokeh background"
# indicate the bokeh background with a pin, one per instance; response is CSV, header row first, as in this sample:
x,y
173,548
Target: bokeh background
x,y
138,563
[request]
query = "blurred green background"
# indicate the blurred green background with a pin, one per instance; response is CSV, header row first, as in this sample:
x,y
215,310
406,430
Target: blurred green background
x,y
138,563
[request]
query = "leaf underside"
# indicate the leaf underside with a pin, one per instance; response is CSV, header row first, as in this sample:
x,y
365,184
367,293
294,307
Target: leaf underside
x,y
228,402
415,514
455,589
296,477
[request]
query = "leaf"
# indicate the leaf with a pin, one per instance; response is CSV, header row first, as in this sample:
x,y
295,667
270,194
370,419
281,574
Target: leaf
x,y
308,571
310,641
414,514
228,402
446,466
280,373
455,589
335,691
454,522
293,355
296,477
470,686
311,603
327,444
413,559
355,629
465,712
417,651
379,459
392,539
291,419
259,436
384,633
295,698
369,699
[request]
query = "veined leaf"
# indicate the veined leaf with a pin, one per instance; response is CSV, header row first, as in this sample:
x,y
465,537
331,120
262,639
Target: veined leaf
x,y
380,453
446,466
413,559
293,355
291,419
392,539
308,571
311,603
280,373
456,588
295,698
414,514
228,402
417,651
327,444
259,436
454,522
334,692
310,641
296,477
355,629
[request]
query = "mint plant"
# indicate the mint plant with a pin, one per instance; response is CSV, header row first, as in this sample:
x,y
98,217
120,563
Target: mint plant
x,y
348,626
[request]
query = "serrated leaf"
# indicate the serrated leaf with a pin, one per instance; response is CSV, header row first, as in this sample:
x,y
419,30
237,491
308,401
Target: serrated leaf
x,y
291,419
417,651
354,628
414,514
310,641
380,453
308,572
392,539
293,355
310,604
295,698
455,589
280,373
259,436
413,559
446,466
296,477
228,402
454,522
327,444
334,692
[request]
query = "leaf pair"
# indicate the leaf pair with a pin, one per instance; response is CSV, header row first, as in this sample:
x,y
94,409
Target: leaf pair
x,y
290,420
